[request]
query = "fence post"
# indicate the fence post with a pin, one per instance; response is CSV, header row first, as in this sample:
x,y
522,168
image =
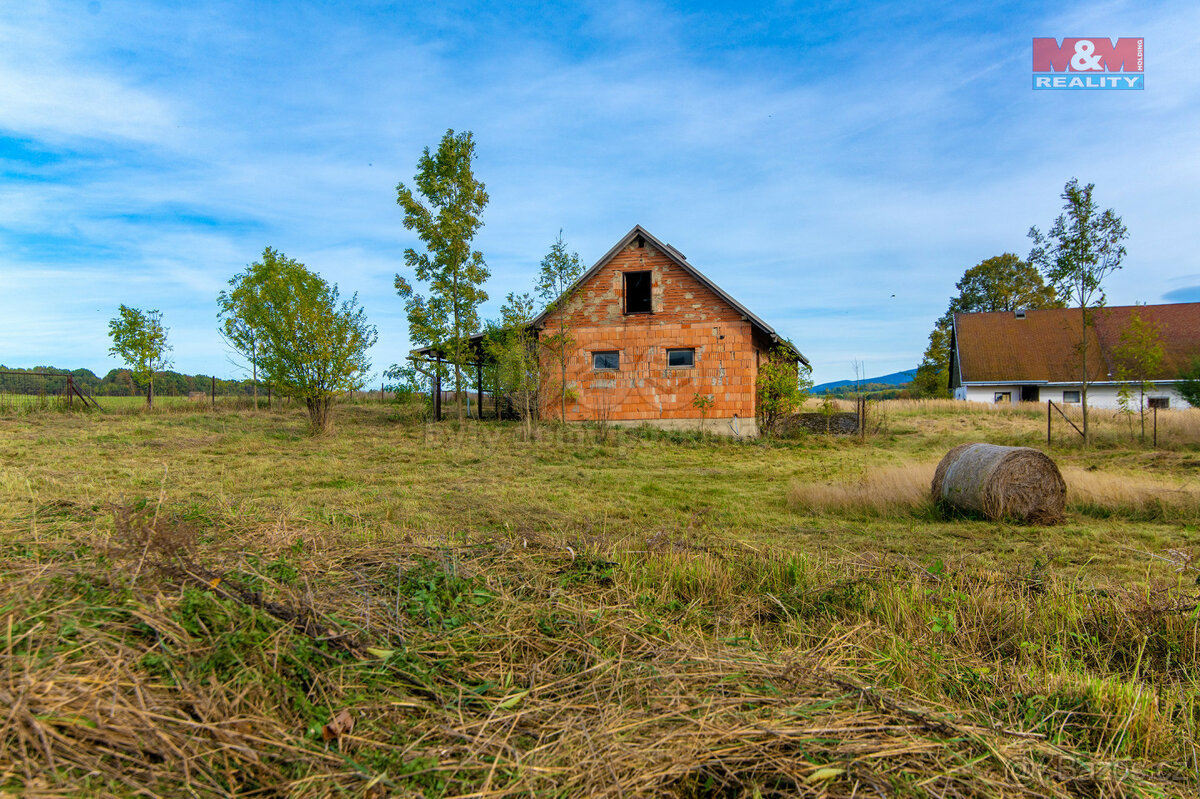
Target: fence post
x,y
1156,427
214,392
268,396
381,398
437,387
1048,404
479,387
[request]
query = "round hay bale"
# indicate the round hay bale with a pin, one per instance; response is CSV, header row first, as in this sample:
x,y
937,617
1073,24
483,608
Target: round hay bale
x,y
1018,483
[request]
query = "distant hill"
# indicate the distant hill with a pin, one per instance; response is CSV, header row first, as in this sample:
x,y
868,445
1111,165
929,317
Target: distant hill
x,y
867,384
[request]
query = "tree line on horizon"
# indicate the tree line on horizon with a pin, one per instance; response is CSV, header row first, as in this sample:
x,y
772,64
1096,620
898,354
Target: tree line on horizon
x,y
121,382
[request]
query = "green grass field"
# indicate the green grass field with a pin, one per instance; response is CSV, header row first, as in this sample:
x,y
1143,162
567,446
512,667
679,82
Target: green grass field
x,y
190,600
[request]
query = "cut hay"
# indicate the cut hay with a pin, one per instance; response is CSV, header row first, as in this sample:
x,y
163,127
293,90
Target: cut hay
x,y
1018,483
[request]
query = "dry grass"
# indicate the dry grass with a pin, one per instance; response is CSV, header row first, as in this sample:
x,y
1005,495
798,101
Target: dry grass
x,y
1132,496
513,667
883,493
1177,427
904,491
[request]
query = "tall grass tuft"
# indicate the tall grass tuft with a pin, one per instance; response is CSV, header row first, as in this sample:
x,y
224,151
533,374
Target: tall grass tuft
x,y
891,492
1142,497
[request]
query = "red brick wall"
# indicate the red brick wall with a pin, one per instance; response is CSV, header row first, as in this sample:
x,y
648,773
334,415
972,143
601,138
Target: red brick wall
x,y
686,314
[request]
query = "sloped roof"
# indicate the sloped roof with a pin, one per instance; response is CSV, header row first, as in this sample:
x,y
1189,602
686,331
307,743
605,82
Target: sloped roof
x,y
1043,347
681,261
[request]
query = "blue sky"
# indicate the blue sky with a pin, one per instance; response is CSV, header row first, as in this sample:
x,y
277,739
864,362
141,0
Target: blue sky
x,y
834,166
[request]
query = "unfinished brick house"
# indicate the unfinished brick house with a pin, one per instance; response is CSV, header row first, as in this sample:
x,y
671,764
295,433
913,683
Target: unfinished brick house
x,y
651,332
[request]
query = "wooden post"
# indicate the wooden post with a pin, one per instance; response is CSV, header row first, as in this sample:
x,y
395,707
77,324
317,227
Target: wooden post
x,y
268,396
214,392
381,399
437,390
1048,404
70,392
1156,427
479,389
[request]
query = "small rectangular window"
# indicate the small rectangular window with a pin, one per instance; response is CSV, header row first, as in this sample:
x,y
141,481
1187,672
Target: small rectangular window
x,y
1162,403
606,361
637,292
686,358
1003,398
1070,396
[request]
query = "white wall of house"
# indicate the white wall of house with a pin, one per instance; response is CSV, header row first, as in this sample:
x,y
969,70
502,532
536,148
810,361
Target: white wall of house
x,y
1100,395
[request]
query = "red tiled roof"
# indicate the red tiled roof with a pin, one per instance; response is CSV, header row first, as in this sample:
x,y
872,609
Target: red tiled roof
x,y
999,347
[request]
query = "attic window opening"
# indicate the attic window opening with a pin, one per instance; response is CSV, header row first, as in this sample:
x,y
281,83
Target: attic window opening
x,y
637,292
641,243
1019,313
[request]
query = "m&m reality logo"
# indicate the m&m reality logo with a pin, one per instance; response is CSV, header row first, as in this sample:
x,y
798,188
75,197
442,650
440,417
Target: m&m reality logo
x,y
1088,63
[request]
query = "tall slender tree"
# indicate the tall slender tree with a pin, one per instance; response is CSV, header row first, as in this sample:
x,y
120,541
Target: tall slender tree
x,y
1082,248
555,286
445,211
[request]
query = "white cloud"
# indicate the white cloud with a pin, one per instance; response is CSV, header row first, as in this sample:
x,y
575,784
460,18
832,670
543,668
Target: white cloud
x,y
48,94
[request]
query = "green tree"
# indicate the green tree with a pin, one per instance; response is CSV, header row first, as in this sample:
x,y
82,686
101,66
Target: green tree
x,y
932,378
782,386
139,338
1188,385
702,403
555,286
312,345
235,310
828,409
512,349
1000,283
1139,355
404,382
1081,249
446,222
407,382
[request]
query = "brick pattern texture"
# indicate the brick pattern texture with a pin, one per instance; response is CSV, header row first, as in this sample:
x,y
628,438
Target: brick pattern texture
x,y
685,315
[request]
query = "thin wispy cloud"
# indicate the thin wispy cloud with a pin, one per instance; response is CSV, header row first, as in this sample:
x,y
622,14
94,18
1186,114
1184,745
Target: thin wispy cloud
x,y
837,172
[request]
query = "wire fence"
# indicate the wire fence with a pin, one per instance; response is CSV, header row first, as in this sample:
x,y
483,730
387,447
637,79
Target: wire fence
x,y
22,391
